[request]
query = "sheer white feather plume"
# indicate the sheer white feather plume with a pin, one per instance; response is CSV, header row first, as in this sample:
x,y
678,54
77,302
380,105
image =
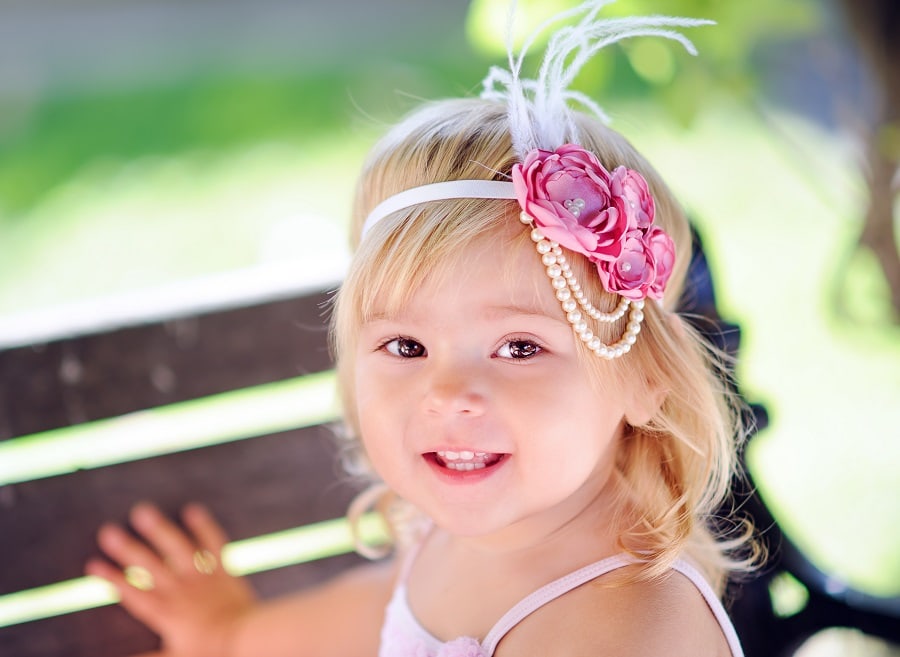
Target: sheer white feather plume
x,y
540,115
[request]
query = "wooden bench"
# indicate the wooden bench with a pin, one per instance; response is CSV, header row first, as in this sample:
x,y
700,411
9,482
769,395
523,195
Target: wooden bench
x,y
78,447
238,379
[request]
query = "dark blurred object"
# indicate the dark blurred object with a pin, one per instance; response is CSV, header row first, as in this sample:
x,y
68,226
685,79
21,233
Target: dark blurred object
x,y
831,603
875,24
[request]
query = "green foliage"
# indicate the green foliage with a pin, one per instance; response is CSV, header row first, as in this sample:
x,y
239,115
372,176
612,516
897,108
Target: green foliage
x,y
648,66
63,133
47,142
60,134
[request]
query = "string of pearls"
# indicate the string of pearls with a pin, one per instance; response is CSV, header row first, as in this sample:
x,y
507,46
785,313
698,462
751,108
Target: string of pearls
x,y
571,297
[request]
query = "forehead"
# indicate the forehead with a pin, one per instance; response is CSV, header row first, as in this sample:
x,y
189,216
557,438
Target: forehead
x,y
493,275
497,271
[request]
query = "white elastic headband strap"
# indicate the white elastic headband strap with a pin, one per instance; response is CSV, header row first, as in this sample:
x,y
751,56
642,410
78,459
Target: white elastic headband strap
x,y
440,191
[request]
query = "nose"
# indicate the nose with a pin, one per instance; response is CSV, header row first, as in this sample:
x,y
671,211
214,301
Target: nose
x,y
454,391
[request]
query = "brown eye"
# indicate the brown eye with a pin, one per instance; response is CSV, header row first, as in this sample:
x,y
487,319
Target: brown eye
x,y
405,348
518,349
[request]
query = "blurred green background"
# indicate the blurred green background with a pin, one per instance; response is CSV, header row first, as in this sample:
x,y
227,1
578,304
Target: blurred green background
x,y
144,143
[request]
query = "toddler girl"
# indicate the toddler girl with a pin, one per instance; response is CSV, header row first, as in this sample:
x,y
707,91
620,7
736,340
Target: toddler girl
x,y
511,364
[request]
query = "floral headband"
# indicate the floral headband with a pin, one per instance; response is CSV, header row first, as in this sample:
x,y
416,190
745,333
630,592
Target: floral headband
x,y
568,198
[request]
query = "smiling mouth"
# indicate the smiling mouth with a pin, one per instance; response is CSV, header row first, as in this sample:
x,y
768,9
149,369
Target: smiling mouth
x,y
465,461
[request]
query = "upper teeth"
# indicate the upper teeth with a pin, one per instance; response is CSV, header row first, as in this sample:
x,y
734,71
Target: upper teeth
x,y
464,460
461,456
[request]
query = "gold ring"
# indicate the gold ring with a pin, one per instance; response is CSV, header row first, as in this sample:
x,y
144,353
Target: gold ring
x,y
139,577
205,562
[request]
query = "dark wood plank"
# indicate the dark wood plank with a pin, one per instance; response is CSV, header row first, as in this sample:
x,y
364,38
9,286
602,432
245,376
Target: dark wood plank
x,y
255,486
111,632
69,381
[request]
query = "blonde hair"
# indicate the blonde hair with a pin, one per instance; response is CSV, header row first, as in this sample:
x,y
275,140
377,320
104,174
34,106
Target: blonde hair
x,y
678,466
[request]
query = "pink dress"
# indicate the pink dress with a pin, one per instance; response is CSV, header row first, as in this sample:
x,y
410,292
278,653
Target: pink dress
x,y
403,636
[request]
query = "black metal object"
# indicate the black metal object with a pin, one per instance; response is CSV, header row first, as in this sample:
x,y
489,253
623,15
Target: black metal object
x,y
831,603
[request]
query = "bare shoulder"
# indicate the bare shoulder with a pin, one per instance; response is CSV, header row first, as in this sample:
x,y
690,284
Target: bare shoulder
x,y
666,616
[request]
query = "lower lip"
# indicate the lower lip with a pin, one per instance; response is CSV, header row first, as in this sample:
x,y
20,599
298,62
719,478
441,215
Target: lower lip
x,y
464,476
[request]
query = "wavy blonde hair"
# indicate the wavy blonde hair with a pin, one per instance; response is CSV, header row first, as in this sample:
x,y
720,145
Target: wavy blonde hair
x,y
677,468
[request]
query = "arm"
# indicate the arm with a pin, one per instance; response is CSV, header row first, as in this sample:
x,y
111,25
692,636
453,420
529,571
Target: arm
x,y
211,613
342,618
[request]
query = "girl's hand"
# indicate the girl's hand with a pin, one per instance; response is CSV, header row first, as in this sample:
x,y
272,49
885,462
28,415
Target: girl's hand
x,y
174,582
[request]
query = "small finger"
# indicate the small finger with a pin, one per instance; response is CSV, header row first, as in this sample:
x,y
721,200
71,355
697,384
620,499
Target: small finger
x,y
119,579
170,541
131,553
135,600
105,570
208,532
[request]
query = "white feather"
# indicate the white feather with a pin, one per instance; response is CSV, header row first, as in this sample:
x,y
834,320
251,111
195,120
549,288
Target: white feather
x,y
539,110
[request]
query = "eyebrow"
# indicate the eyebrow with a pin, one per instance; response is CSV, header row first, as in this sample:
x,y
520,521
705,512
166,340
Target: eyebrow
x,y
504,310
491,312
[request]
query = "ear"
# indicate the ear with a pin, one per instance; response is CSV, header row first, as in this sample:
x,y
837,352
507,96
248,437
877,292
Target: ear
x,y
644,404
645,400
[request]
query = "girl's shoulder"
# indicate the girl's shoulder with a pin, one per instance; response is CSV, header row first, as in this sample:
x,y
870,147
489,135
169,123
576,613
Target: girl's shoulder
x,y
667,616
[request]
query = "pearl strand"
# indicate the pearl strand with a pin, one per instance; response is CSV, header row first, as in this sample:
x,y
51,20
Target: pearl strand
x,y
571,296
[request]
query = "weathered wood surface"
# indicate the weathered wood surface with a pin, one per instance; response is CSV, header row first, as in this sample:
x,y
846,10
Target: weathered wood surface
x,y
88,377
111,632
255,486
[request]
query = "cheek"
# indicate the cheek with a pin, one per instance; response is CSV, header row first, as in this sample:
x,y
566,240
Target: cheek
x,y
370,409
369,393
381,408
579,427
584,458
376,439
363,397
374,407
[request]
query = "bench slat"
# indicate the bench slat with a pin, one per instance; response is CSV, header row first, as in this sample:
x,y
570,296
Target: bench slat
x,y
91,377
111,632
255,486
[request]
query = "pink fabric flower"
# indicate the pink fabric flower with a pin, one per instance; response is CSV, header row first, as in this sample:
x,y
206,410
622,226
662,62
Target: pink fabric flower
x,y
644,266
631,273
607,217
567,194
462,647
663,249
632,195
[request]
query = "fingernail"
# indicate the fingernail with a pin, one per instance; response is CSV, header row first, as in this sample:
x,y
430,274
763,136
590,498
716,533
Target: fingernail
x,y
195,511
108,535
142,515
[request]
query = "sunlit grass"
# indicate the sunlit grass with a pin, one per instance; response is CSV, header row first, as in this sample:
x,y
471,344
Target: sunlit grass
x,y
120,226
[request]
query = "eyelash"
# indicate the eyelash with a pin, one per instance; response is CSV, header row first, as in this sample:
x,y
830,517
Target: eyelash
x,y
529,343
385,346
533,344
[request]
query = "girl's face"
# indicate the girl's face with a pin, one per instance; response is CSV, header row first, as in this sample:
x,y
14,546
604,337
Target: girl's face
x,y
475,405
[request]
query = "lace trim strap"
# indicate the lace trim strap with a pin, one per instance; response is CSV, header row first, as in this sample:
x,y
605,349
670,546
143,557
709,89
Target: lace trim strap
x,y
714,604
563,585
545,594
